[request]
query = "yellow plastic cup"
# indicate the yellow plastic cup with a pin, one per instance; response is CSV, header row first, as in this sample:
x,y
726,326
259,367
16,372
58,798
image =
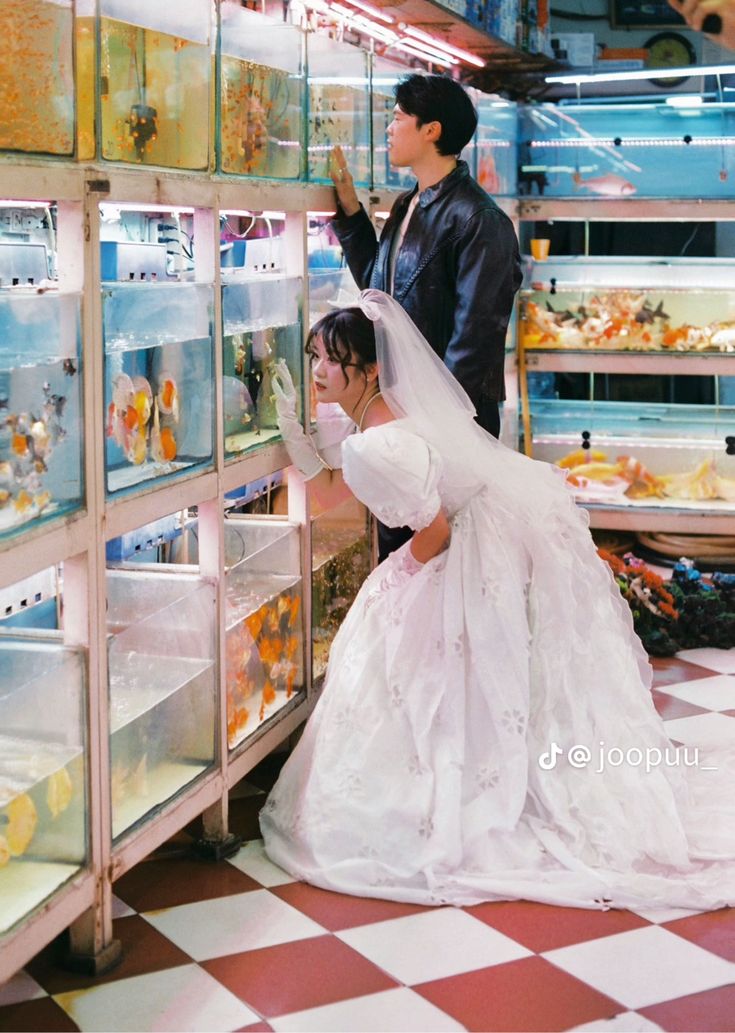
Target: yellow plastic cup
x,y
540,248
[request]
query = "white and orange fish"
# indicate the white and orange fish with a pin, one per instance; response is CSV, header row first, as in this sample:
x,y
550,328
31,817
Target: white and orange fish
x,y
606,186
168,396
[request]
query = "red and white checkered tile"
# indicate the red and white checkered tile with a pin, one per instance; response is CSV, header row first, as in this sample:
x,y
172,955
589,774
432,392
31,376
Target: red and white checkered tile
x,y
241,946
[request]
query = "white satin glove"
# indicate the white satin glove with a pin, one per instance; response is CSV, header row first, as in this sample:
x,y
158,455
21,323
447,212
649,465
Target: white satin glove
x,y
299,445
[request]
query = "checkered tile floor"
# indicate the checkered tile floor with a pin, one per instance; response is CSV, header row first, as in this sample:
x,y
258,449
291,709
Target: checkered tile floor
x,y
241,946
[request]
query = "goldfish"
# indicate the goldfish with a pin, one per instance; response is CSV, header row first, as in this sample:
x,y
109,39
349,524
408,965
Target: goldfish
x,y
137,451
271,650
130,418
142,401
581,456
163,445
168,397
4,851
4,496
168,444
703,483
22,501
22,821
59,792
609,185
642,482
20,444
596,471
254,623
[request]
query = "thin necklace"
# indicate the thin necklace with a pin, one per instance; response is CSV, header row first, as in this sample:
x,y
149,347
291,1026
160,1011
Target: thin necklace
x,y
367,406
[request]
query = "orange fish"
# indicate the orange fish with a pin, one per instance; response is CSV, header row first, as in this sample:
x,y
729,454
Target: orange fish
x,y
131,418
168,444
20,444
110,419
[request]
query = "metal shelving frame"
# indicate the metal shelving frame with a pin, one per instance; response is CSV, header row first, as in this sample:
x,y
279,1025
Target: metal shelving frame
x,y
84,904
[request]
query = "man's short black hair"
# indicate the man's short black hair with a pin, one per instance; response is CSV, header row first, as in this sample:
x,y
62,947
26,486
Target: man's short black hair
x,y
436,98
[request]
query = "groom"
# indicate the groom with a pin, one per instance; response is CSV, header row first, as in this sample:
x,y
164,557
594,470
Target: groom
x,y
447,253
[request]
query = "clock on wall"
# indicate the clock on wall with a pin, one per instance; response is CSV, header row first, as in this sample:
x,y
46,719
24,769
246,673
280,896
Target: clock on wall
x,y
669,50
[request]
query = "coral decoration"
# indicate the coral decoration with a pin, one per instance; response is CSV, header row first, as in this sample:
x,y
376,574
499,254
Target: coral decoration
x,y
686,612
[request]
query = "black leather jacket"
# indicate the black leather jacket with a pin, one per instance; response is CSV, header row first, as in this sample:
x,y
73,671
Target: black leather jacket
x,y
456,275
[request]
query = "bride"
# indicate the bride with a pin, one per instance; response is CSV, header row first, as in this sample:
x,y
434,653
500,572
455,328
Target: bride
x,y
486,729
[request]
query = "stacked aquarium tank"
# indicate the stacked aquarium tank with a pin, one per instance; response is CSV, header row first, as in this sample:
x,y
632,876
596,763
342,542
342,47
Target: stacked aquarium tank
x,y
159,382
261,94
43,770
636,304
495,144
37,81
155,69
647,149
633,454
163,688
85,46
40,407
384,77
338,104
264,622
261,325
340,557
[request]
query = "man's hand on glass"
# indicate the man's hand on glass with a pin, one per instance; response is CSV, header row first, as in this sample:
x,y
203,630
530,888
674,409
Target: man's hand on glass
x,y
714,17
343,183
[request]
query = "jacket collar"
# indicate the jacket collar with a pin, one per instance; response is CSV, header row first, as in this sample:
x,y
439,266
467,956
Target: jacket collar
x,y
433,193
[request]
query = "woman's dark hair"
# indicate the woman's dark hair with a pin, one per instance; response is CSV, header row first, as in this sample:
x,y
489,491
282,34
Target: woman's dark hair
x,y
348,336
435,98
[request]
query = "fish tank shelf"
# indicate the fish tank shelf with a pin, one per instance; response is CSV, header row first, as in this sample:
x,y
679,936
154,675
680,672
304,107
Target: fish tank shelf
x,y
36,87
41,474
159,382
261,95
679,457
340,560
155,69
264,622
162,683
43,770
338,105
261,325
640,305
620,150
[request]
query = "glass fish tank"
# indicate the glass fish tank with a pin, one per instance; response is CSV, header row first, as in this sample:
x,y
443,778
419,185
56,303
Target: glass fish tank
x,y
155,68
261,95
37,82
340,562
261,325
159,382
338,104
43,770
632,454
163,688
85,45
385,75
330,288
635,304
41,474
496,165
264,622
647,149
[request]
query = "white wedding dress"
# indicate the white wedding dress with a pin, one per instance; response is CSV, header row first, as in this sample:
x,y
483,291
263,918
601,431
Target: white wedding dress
x,y
418,775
